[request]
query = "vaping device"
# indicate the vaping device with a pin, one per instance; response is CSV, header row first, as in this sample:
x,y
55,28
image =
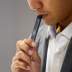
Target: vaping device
x,y
33,37
36,27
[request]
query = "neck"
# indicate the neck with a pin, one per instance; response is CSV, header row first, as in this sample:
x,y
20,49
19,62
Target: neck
x,y
66,21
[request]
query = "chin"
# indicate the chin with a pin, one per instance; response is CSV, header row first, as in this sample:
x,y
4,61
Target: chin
x,y
50,21
47,22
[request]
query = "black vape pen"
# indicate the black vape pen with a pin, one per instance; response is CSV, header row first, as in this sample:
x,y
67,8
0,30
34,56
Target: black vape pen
x,y
33,37
36,27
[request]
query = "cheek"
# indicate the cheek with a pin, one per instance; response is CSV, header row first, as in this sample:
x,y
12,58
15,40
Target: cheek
x,y
54,9
60,7
47,5
57,8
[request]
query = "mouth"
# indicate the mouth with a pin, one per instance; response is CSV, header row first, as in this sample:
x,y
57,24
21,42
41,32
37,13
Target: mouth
x,y
43,13
46,16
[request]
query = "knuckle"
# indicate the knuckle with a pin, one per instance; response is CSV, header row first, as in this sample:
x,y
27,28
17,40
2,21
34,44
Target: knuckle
x,y
22,56
28,41
19,65
18,42
25,58
22,45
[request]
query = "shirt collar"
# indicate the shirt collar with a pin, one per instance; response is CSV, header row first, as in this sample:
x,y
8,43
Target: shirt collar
x,y
67,32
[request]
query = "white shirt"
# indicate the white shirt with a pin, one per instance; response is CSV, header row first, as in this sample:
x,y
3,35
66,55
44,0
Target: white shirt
x,y
57,47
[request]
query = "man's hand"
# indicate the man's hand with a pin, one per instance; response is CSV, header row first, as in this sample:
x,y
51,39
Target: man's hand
x,y
26,58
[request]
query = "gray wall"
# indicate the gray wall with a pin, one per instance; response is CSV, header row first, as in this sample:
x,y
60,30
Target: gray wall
x,y
16,22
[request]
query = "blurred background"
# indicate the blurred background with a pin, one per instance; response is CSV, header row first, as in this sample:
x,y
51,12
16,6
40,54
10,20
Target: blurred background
x,y
16,22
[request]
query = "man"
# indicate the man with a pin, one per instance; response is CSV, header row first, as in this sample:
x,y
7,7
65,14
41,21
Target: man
x,y
56,13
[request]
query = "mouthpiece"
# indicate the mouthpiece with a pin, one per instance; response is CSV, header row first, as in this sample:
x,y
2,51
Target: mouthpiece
x,y
36,27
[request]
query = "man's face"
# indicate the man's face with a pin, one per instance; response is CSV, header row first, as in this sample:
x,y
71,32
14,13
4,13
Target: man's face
x,y
53,11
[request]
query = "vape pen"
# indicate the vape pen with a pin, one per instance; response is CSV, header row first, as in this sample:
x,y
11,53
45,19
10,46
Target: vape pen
x,y
36,27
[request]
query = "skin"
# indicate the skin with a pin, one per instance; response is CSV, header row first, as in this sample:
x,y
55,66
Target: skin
x,y
54,12
26,58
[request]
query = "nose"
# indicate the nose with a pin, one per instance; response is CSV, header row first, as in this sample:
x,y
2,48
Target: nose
x,y
35,4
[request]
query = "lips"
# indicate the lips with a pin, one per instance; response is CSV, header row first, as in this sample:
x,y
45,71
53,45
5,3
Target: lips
x,y
43,13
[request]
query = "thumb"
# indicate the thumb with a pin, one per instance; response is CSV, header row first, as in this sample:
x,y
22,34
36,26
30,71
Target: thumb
x,y
35,66
35,57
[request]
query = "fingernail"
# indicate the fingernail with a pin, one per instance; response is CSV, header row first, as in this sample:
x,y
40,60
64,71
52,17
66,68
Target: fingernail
x,y
30,52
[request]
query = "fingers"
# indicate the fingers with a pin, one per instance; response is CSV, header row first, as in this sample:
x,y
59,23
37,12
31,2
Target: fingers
x,y
30,42
25,42
25,45
18,66
29,47
21,56
20,62
25,54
